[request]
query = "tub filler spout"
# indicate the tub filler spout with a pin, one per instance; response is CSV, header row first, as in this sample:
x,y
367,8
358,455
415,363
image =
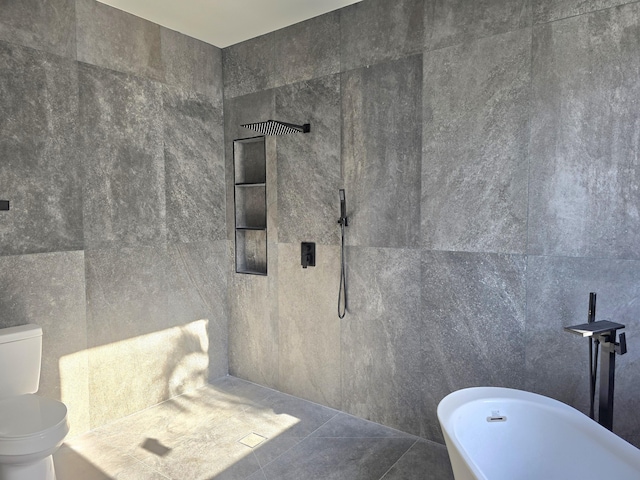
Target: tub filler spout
x,y
603,333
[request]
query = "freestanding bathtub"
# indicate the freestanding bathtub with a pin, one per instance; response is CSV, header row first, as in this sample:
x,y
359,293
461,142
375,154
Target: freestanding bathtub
x,y
503,434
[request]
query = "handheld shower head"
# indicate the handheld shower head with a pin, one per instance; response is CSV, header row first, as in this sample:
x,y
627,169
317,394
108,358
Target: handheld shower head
x,y
343,208
343,222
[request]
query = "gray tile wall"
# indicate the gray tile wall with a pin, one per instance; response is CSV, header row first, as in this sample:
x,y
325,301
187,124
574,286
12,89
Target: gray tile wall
x,y
111,153
488,150
476,136
489,155
309,165
381,107
40,167
48,26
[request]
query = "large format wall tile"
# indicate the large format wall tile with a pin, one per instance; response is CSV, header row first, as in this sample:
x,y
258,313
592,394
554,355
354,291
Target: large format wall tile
x,y
156,324
584,197
114,39
122,143
194,167
48,26
308,165
551,10
249,66
126,293
557,361
309,325
133,350
191,64
308,49
138,372
48,290
476,131
377,30
197,290
381,364
381,152
253,324
474,313
450,22
39,163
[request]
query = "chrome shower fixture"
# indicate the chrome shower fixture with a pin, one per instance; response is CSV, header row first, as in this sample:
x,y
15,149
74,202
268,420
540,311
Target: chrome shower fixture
x,y
274,127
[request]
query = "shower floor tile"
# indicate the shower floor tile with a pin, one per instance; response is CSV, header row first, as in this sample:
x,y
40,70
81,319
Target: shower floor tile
x,y
197,436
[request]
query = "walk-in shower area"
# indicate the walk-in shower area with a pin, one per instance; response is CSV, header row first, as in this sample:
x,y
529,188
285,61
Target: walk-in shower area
x,y
233,429
274,259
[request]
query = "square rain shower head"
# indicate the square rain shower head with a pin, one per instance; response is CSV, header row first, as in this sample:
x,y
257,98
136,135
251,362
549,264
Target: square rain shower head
x,y
274,127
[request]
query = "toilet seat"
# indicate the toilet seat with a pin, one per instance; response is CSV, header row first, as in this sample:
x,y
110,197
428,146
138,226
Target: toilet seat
x,y
30,424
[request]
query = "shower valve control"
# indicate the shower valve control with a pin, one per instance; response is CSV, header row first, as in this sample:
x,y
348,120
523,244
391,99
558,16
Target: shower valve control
x,y
308,254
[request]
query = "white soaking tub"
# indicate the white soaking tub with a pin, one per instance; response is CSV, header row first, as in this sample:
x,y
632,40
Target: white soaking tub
x,y
503,434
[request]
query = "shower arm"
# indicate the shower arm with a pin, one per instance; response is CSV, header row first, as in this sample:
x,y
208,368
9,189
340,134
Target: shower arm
x,y
304,128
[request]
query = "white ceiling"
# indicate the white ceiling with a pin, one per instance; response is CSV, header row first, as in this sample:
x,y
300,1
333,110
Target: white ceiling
x,y
226,22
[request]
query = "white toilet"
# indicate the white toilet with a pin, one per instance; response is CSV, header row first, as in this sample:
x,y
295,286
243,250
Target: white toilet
x,y
31,427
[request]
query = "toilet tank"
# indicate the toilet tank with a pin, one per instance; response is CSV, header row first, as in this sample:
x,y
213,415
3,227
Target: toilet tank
x,y
20,356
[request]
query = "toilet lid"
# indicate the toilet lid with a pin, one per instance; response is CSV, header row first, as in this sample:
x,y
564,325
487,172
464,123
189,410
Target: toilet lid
x,y
28,415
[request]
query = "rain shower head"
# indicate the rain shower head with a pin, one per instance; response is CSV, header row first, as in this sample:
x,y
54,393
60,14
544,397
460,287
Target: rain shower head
x,y
274,127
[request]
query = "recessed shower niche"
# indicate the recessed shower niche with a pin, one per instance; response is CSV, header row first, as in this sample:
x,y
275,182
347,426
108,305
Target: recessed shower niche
x,y
250,205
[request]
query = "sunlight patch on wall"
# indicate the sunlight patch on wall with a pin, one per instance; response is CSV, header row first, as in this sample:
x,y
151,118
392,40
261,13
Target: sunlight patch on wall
x,y
135,373
74,390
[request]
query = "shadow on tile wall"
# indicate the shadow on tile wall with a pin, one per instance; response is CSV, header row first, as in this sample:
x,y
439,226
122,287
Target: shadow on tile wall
x,y
488,154
111,138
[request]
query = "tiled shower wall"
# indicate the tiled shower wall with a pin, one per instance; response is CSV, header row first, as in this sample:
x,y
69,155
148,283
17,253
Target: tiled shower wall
x,y
489,152
111,153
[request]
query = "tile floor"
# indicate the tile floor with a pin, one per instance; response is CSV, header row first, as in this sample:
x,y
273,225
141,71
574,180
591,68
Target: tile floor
x,y
234,429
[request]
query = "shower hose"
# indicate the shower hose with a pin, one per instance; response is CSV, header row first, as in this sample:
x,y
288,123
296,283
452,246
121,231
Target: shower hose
x,y
342,293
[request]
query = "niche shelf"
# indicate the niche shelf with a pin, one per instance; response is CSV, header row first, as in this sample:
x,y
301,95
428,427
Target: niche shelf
x,y
250,205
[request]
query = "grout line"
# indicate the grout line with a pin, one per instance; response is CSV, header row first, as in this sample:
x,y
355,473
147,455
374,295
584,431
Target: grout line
x,y
530,118
314,431
273,392
580,14
153,469
527,241
370,437
264,475
432,442
405,434
302,439
401,457
280,455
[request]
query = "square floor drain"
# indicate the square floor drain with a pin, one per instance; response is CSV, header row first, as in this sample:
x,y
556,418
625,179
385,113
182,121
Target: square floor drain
x,y
252,440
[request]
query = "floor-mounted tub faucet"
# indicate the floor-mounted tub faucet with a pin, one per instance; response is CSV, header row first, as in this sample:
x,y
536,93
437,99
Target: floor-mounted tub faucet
x,y
603,333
